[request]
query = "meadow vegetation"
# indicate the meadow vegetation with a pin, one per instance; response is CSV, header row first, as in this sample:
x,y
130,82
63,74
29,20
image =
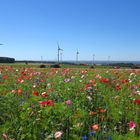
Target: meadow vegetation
x,y
72,103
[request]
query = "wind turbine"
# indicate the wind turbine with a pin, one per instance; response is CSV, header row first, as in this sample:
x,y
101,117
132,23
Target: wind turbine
x,y
93,63
41,59
108,60
61,57
59,49
77,53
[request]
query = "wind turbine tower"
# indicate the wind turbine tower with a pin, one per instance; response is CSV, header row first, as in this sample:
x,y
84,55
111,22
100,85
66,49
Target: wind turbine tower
x,y
58,52
93,63
108,60
61,57
77,54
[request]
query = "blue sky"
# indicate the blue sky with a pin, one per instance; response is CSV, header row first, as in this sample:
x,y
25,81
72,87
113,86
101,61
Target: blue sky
x,y
30,29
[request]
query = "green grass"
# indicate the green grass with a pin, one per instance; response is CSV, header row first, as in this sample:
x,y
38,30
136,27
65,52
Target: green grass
x,y
76,98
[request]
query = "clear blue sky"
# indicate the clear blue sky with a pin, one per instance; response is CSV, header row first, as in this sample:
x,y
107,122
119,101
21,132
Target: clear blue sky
x,y
30,29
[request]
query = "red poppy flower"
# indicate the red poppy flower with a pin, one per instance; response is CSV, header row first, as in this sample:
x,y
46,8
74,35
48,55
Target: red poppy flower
x,y
92,113
21,79
20,91
102,110
137,101
82,88
93,82
44,94
118,87
88,85
44,103
104,80
11,68
5,77
51,102
36,93
125,81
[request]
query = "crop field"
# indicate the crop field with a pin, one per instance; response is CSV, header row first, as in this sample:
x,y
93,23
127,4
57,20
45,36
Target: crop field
x,y
69,103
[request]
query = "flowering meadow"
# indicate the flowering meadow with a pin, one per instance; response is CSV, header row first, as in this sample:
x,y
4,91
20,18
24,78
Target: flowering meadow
x,y
69,103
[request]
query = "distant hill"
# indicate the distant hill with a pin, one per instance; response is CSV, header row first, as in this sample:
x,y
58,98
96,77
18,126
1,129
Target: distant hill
x,y
7,60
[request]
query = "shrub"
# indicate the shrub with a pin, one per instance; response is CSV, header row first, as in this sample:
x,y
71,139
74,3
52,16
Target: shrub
x,y
42,66
55,66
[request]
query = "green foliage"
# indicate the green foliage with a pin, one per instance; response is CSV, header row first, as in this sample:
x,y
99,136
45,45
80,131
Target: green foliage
x,y
36,103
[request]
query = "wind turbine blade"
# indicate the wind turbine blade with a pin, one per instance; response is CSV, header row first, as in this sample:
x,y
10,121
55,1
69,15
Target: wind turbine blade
x,y
77,51
58,45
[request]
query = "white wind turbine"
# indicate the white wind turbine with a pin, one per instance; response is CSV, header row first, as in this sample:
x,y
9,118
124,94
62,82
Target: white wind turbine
x,y
58,52
77,54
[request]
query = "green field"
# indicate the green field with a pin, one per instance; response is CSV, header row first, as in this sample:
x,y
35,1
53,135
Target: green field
x,y
69,103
